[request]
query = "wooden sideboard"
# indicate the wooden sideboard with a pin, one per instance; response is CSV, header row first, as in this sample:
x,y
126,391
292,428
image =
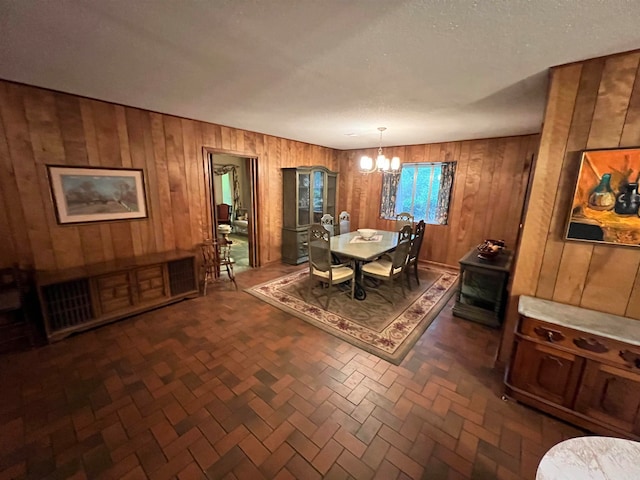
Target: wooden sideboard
x,y
579,365
80,298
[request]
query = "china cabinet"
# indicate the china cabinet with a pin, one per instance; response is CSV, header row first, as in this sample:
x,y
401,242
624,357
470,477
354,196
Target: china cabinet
x,y
308,194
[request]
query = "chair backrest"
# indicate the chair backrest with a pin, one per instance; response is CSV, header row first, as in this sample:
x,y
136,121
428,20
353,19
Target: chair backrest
x,y
319,248
416,243
327,222
401,254
404,233
402,219
208,249
223,212
345,222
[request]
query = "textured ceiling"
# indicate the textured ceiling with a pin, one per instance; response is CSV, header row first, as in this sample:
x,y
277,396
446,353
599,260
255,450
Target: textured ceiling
x,y
327,72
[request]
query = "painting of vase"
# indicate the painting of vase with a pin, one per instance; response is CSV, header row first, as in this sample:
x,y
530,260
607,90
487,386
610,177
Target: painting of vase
x,y
606,202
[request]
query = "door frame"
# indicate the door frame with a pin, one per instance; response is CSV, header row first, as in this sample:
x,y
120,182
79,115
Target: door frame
x,y
251,162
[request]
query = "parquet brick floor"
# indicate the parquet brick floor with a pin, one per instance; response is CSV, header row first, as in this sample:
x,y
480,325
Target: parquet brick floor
x,y
229,387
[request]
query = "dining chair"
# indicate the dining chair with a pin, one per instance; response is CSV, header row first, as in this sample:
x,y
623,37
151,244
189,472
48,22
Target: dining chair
x,y
414,252
223,213
390,266
327,222
216,254
320,267
402,219
405,233
345,222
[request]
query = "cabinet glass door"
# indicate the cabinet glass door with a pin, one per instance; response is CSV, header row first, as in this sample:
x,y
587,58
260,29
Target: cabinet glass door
x,y
304,189
331,196
318,196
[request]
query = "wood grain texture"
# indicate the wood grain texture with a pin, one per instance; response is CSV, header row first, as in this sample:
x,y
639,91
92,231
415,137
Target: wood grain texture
x,y
604,114
484,167
41,127
562,96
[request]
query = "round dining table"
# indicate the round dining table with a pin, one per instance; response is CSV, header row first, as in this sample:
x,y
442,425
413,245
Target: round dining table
x,y
591,458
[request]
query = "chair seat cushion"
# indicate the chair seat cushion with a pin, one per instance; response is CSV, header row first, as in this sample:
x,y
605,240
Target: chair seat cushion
x,y
379,267
339,274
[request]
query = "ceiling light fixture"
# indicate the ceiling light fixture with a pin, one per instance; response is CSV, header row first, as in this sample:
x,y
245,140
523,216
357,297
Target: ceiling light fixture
x,y
382,163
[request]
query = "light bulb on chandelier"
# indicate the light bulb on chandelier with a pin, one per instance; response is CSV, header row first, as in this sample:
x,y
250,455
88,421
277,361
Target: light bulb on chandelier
x,y
382,163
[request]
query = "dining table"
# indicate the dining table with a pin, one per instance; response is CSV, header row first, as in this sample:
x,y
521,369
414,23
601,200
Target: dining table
x,y
353,245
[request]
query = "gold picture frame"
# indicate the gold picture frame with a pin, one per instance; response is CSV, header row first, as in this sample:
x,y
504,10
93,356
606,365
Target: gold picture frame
x,y
96,194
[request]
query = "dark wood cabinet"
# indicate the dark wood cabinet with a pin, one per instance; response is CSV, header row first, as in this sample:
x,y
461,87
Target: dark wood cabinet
x,y
77,299
308,194
482,289
578,367
610,395
547,372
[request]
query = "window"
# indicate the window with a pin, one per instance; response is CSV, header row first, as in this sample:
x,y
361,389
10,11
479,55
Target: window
x,y
422,189
225,180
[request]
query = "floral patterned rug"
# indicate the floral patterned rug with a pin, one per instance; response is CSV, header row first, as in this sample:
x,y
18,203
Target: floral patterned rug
x,y
374,324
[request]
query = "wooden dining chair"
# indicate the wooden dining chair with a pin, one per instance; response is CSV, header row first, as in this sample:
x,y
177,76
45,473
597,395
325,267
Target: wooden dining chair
x,y
320,267
414,252
345,222
390,266
216,255
327,222
402,219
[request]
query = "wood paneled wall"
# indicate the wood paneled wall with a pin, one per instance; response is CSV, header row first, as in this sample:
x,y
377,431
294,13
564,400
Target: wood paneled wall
x,y
488,192
39,127
592,104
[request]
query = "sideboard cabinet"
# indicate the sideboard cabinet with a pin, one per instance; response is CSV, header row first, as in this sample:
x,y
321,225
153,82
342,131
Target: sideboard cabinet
x,y
77,299
308,194
579,365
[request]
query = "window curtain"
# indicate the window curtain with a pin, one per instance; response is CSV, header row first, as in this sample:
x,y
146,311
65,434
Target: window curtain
x,y
444,194
219,170
389,190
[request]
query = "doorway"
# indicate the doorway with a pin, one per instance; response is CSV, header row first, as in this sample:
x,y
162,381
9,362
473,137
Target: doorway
x,y
233,205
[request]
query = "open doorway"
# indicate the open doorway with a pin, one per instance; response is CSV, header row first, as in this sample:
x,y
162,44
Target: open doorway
x,y
233,205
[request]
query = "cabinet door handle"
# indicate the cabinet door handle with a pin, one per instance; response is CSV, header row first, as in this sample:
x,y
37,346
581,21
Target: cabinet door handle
x,y
630,357
549,335
591,344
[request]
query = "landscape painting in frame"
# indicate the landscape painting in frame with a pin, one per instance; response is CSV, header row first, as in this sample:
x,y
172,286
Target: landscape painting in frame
x,y
93,194
606,200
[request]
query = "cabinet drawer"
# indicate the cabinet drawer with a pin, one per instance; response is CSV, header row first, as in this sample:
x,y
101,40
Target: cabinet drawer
x,y
115,280
149,273
151,284
583,343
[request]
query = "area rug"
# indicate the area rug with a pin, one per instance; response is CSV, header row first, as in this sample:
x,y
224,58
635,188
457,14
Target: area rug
x,y
374,325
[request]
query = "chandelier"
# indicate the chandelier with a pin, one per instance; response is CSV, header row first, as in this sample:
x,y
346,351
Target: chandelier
x,y
382,163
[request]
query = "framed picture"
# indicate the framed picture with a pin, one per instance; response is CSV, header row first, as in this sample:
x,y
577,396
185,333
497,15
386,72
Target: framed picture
x,y
93,194
606,200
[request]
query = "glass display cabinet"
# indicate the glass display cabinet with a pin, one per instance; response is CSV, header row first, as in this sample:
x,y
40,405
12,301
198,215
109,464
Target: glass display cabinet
x,y
308,194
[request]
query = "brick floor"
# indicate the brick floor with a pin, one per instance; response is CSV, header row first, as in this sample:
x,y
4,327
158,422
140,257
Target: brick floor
x,y
227,386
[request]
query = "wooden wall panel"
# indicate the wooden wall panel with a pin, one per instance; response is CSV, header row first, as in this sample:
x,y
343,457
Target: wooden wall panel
x,y
40,127
592,104
489,173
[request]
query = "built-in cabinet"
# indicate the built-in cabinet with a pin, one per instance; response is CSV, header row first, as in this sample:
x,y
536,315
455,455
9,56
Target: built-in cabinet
x,y
76,299
308,194
580,365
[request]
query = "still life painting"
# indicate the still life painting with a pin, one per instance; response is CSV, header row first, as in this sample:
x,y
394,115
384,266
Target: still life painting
x,y
606,201
92,194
